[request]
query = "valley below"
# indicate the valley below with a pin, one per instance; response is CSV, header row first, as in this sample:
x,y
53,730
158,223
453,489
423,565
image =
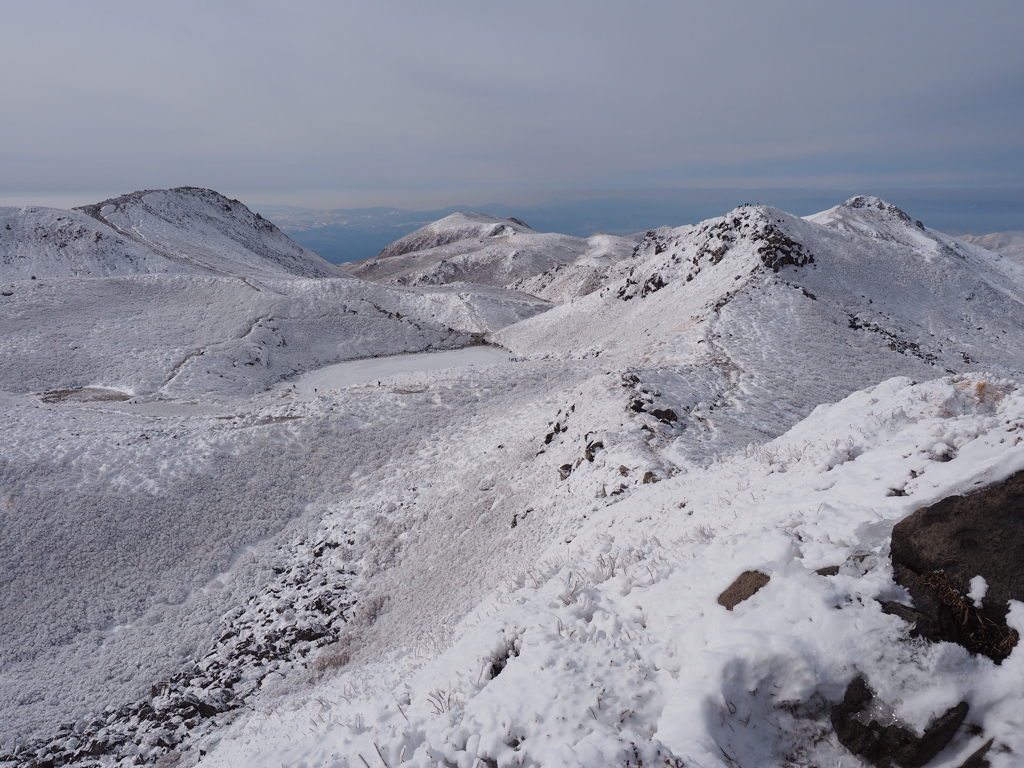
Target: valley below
x,y
505,498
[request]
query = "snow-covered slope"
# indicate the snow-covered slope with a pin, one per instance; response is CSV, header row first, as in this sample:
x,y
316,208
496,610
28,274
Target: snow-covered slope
x,y
509,564
184,230
51,242
757,316
208,231
612,649
476,248
1009,244
186,335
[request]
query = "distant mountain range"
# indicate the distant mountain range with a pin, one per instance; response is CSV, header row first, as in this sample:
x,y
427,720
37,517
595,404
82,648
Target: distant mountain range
x,y
1007,243
347,235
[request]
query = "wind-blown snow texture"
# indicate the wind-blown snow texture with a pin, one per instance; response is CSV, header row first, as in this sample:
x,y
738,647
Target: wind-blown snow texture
x,y
509,564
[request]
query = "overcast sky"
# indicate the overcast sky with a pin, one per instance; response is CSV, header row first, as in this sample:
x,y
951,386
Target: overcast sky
x,y
421,104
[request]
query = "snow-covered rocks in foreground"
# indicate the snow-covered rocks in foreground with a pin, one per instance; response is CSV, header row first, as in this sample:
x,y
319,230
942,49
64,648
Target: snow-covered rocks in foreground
x,y
612,649
477,248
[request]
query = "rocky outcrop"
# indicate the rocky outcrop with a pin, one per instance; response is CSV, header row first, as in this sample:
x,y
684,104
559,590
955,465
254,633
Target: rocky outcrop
x,y
888,745
939,553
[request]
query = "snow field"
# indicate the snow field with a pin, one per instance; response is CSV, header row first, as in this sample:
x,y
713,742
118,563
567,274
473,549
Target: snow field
x,y
185,336
612,649
343,375
180,510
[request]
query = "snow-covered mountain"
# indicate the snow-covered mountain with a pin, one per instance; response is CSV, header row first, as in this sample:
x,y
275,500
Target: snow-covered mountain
x,y
159,292
184,230
477,248
1009,244
502,564
746,322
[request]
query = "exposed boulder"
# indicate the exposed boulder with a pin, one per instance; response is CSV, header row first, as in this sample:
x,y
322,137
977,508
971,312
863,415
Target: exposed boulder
x,y
888,745
746,585
939,550
978,759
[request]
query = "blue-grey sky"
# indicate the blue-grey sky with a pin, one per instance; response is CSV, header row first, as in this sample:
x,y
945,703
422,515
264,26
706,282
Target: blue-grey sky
x,y
417,104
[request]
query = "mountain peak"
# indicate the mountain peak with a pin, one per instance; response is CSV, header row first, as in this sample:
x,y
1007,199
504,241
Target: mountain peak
x,y
460,225
206,231
876,203
871,216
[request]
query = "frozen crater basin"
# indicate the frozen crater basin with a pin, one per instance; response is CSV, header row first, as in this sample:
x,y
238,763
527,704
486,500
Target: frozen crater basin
x,y
346,374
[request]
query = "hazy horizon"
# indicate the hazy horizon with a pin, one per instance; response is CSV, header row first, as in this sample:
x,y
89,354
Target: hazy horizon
x,y
334,106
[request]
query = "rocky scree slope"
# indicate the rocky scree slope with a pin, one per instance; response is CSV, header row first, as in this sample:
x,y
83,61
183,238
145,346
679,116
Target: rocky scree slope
x,y
476,248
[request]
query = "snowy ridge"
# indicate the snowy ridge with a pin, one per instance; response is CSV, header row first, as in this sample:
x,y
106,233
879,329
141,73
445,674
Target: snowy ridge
x,y
757,316
476,248
184,230
207,231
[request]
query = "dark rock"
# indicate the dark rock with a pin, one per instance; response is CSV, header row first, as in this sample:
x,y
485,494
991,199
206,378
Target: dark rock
x,y
978,759
830,570
748,583
207,709
936,552
564,471
665,414
654,282
885,746
906,613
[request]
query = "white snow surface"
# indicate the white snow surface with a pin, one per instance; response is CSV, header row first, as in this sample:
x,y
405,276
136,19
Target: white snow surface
x,y
343,375
616,651
477,248
1009,244
518,562
186,230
